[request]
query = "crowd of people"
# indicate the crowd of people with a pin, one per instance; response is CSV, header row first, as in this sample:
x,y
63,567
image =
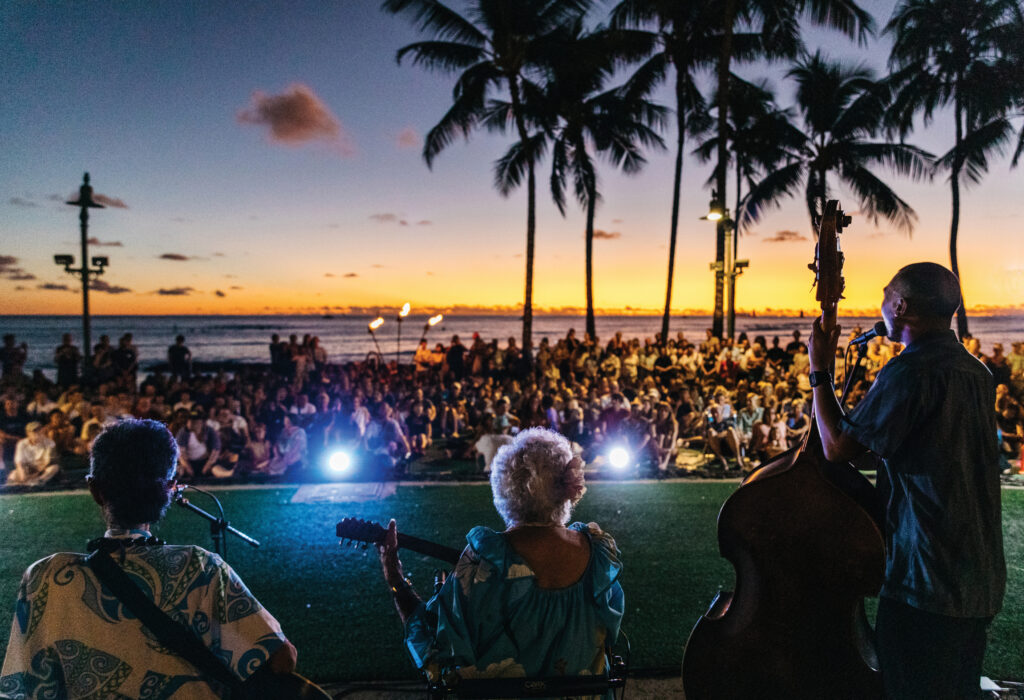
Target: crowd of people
x,y
738,403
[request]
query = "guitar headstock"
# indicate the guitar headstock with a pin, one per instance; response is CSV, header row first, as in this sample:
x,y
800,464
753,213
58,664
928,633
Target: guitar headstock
x,y
828,260
360,530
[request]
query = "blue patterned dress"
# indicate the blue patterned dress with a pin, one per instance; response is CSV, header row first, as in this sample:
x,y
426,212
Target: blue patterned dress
x,y
72,639
490,619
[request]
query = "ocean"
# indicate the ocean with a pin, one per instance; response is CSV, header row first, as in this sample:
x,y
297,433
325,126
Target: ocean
x,y
245,338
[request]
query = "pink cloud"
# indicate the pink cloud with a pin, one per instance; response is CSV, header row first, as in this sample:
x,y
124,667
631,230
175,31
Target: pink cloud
x,y
786,237
295,117
408,138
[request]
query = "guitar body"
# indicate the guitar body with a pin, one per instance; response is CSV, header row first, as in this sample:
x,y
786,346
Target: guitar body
x,y
805,539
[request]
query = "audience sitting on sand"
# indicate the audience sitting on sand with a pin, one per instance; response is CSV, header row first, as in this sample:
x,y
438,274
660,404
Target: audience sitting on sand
x,y
742,402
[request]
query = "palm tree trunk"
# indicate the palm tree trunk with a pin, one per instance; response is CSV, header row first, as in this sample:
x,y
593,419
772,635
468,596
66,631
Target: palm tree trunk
x,y
724,59
591,324
531,226
676,192
954,182
730,325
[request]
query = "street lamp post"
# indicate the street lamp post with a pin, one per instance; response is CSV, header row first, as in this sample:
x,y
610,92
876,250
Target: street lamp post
x,y
84,203
729,268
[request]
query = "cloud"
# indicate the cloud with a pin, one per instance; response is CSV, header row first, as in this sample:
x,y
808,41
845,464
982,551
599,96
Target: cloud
x,y
424,222
106,200
236,287
377,266
616,221
350,274
20,288
8,264
328,274
219,293
606,235
403,222
21,202
107,288
295,117
175,291
109,244
177,257
384,218
408,138
19,275
219,255
54,287
786,237
880,234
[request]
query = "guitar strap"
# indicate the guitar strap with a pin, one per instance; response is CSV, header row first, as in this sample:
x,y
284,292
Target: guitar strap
x,y
172,635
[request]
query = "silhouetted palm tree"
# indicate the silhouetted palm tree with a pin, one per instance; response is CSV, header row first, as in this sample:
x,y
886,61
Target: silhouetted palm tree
x,y
492,48
958,53
841,108
759,136
582,120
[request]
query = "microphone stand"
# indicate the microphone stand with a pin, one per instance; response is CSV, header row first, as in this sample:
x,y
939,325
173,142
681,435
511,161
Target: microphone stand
x,y
218,525
851,375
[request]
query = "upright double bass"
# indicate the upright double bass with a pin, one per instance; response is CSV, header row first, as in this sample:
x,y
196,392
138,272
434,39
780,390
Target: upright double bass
x,y
805,538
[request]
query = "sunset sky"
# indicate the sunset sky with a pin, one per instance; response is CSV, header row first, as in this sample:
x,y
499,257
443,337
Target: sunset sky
x,y
265,158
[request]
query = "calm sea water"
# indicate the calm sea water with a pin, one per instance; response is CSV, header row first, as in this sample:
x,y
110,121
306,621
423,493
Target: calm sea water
x,y
245,338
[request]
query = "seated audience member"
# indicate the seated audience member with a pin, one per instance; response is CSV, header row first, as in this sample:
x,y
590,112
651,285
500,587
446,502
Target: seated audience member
x,y
562,580
768,437
384,438
723,438
289,448
68,640
40,407
259,452
35,458
418,424
666,431
200,447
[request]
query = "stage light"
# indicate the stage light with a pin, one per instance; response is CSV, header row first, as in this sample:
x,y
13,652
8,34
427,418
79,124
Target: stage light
x,y
340,462
619,458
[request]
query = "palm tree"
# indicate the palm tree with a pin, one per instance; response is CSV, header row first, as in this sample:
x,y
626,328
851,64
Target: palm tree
x,y
841,108
779,19
958,53
581,120
759,135
492,48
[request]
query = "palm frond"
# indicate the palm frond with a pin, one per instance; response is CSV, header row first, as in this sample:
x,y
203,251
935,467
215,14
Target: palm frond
x,y
845,16
975,148
902,158
438,19
510,168
877,200
441,55
765,195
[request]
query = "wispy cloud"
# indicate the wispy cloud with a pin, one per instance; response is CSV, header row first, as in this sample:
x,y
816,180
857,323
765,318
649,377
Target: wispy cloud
x,y
408,138
106,200
295,117
424,222
616,221
786,236
377,266
9,269
175,291
21,202
219,293
600,235
236,287
19,275
328,274
219,255
350,274
109,244
107,288
384,218
177,257
54,287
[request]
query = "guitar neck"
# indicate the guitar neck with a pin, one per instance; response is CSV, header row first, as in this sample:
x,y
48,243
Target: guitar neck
x,y
431,549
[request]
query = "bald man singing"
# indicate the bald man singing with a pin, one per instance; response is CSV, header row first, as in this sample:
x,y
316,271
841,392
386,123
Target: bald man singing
x,y
930,416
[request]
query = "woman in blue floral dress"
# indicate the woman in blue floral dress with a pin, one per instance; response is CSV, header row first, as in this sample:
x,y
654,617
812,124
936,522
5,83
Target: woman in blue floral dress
x,y
540,599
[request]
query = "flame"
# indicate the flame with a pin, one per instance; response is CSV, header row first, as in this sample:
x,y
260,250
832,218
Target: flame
x,y
434,320
376,323
405,311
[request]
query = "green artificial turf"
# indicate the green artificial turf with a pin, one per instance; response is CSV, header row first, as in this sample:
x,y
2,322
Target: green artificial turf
x,y
335,608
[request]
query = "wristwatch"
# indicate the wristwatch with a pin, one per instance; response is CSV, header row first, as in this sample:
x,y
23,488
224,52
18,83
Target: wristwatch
x,y
819,377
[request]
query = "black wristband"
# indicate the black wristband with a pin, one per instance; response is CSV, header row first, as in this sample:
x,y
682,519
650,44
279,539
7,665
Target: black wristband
x,y
819,378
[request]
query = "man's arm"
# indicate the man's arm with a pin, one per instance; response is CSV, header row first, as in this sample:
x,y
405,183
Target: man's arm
x,y
838,446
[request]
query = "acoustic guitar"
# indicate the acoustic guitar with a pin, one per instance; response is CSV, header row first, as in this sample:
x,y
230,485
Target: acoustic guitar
x,y
358,530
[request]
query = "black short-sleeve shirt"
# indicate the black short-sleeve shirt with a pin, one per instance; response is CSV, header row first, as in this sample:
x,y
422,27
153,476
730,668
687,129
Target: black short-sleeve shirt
x,y
931,416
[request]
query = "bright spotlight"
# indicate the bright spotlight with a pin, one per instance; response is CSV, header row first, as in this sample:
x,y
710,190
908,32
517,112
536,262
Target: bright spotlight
x,y
340,461
618,457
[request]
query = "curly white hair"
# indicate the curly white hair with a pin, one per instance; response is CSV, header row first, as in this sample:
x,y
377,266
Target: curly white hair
x,y
536,479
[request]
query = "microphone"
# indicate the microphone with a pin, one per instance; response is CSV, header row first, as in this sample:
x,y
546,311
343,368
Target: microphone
x,y
878,329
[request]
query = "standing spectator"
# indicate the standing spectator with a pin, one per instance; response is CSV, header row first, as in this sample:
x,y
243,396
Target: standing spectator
x,y
125,360
12,360
277,363
179,357
999,367
35,461
455,358
102,360
67,357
